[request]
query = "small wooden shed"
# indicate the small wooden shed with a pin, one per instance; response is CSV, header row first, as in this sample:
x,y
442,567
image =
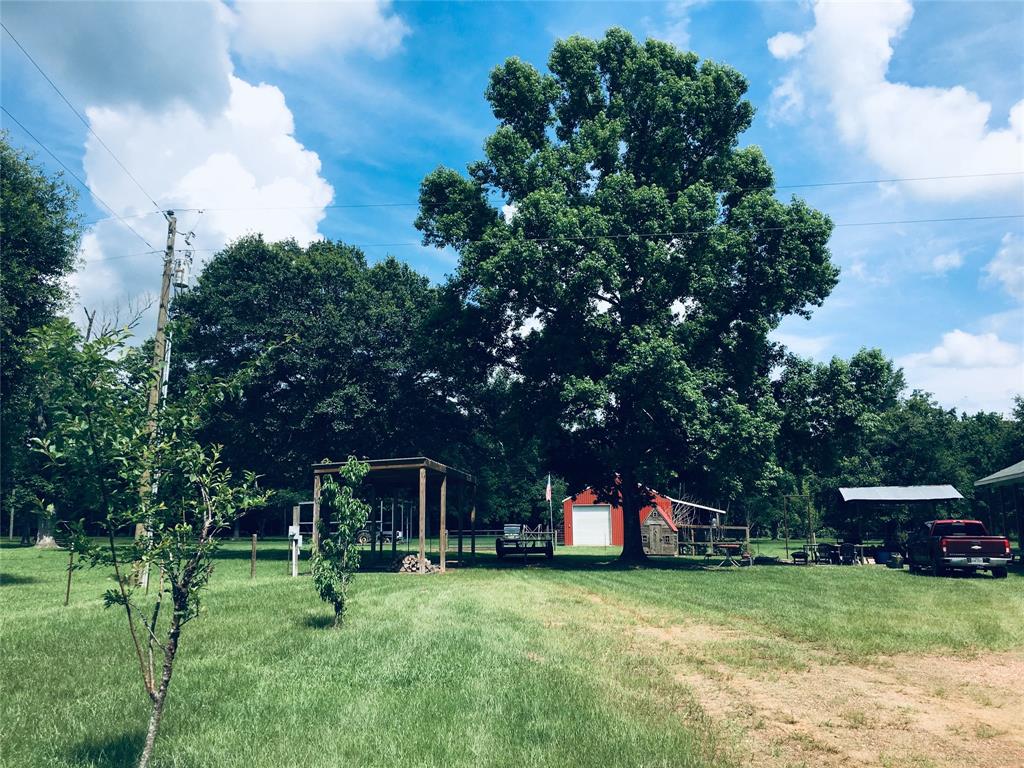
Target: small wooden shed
x,y
659,534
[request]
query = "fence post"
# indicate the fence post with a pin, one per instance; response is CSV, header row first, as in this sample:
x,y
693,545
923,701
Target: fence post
x,y
252,564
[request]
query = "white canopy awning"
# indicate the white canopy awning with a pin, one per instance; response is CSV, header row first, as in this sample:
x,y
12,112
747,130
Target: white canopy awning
x,y
897,494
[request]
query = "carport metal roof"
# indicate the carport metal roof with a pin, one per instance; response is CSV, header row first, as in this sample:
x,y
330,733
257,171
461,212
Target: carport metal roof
x,y
900,494
1011,475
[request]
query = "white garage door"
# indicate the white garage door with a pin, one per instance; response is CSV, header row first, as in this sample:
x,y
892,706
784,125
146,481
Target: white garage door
x,y
591,525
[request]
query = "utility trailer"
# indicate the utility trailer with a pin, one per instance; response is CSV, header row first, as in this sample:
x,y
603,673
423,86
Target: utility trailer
x,y
522,540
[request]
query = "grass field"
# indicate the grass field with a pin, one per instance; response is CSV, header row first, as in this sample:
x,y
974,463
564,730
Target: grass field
x,y
562,663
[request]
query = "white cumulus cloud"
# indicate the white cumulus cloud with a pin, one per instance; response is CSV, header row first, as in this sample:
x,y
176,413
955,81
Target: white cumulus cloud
x,y
944,262
968,371
675,28
786,45
194,135
286,32
907,130
1007,268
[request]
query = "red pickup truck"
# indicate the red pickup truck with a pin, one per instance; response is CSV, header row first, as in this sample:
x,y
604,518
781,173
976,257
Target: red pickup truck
x,y
945,545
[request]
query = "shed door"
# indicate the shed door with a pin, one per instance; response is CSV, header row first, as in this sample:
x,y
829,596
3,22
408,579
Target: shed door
x,y
591,525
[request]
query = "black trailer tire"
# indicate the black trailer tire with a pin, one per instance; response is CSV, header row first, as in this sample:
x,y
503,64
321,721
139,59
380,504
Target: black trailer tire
x,y
999,573
499,548
549,550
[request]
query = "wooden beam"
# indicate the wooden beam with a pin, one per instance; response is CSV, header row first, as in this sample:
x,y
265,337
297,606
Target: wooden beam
x,y
462,520
423,519
442,534
1018,508
316,512
472,527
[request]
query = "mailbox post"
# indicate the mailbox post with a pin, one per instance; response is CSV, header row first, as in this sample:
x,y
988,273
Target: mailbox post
x,y
295,542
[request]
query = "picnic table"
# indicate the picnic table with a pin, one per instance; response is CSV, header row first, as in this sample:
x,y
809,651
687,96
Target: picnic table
x,y
729,551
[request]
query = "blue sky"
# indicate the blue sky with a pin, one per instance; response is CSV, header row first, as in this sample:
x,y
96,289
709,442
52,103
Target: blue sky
x,y
275,112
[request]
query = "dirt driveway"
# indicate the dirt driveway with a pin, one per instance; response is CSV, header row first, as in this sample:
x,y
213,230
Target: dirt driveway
x,y
803,708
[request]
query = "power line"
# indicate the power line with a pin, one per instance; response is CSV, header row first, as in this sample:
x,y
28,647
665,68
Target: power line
x,y
74,176
893,181
80,117
413,205
705,231
126,216
122,256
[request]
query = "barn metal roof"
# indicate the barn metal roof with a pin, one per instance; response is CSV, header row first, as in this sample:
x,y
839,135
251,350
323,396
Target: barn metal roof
x,y
1011,475
900,493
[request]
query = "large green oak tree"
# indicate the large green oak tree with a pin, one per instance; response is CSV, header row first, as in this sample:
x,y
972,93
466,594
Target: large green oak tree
x,y
623,259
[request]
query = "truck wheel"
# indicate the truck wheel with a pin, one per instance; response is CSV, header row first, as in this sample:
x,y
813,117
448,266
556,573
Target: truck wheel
x,y
999,573
938,569
912,566
363,538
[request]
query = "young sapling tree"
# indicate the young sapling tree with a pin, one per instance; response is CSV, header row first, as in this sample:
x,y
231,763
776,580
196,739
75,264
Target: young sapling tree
x,y
101,432
342,515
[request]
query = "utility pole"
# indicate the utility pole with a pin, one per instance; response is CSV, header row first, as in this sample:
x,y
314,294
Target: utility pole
x,y
159,364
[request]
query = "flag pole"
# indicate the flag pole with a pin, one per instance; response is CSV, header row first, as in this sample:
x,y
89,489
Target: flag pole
x,y
551,519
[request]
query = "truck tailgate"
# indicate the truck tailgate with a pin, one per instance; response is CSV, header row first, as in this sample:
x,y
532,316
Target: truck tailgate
x,y
975,546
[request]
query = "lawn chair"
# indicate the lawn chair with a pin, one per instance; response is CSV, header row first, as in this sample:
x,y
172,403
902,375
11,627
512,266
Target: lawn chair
x,y
828,553
848,554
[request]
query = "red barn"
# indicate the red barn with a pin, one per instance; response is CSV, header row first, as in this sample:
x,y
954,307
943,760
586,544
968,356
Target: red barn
x,y
589,523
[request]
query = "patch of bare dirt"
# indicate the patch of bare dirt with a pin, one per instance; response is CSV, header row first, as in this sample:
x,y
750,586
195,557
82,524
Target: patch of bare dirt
x,y
799,707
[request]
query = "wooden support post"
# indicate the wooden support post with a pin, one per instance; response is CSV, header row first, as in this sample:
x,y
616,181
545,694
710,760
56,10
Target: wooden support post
x,y
1018,507
443,529
71,568
316,512
394,531
785,509
252,562
461,524
472,527
423,519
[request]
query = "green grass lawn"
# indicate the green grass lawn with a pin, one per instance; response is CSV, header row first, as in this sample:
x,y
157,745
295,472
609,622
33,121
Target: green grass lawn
x,y
499,664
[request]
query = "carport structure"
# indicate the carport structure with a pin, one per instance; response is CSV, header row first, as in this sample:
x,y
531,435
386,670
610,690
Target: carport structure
x,y
1008,482
401,472
896,494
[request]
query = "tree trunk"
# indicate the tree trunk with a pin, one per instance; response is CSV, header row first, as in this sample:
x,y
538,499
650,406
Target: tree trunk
x,y
44,539
632,542
161,693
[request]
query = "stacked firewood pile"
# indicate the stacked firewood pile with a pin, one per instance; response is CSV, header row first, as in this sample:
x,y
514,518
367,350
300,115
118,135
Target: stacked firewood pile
x,y
411,564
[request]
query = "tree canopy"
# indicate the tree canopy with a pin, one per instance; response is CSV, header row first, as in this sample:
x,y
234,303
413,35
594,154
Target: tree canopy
x,y
40,228
644,259
352,377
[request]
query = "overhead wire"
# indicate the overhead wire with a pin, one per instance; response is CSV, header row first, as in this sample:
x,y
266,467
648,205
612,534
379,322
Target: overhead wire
x,y
705,231
75,176
81,117
335,206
